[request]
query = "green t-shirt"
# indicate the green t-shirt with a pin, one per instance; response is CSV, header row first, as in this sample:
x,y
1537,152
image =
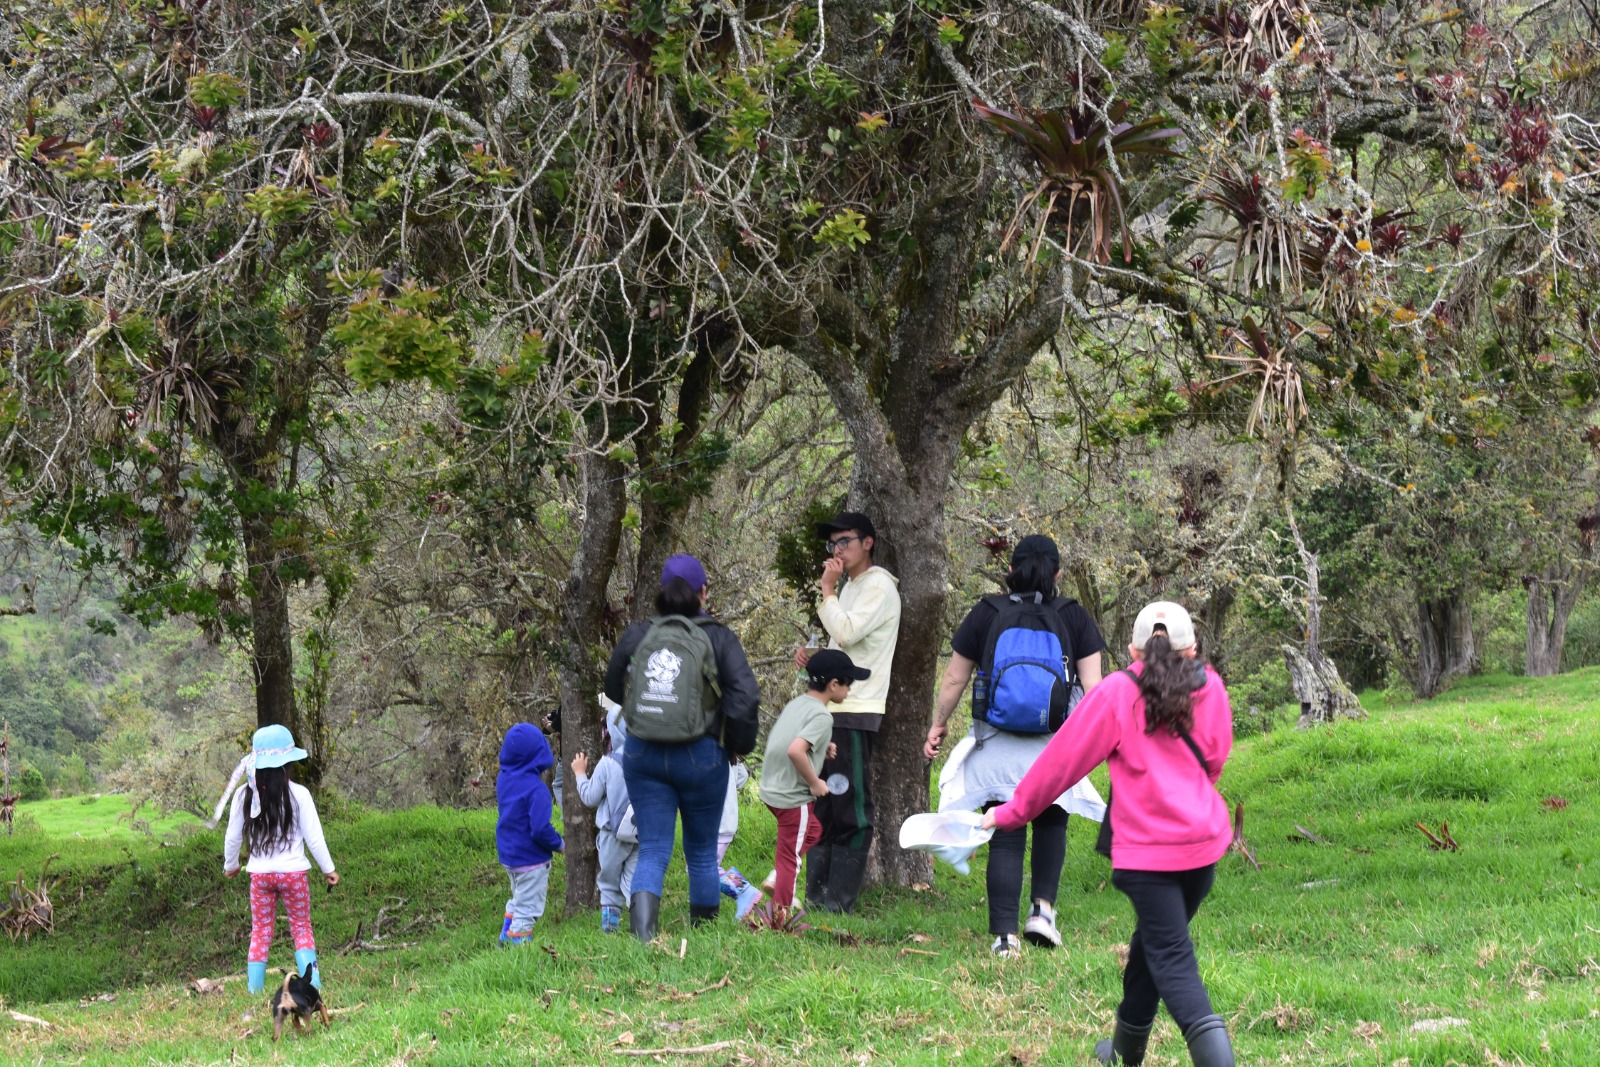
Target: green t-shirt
x,y
804,716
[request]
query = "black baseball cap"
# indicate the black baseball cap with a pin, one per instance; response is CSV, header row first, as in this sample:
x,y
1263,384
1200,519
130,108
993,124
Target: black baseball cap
x,y
831,665
847,520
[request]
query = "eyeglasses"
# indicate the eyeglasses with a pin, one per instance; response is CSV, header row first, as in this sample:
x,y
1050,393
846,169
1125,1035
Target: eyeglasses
x,y
837,543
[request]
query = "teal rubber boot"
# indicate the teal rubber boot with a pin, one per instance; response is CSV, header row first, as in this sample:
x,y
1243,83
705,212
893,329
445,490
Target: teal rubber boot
x,y
256,975
307,957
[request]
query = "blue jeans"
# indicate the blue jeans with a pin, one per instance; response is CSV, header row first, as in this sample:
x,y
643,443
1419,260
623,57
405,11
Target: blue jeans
x,y
664,780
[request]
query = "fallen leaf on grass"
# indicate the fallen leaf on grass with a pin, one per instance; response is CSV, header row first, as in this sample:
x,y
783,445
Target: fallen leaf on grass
x,y
21,1018
1306,835
917,952
921,887
919,939
1553,803
203,986
1367,1031
102,998
625,1039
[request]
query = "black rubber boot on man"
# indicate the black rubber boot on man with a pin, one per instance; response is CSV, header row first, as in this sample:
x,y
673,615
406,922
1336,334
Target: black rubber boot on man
x,y
644,912
1208,1043
848,871
819,863
700,914
1125,1045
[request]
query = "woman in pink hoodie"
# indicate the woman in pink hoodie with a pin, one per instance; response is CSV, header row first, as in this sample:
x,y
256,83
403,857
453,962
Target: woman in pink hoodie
x,y
1164,729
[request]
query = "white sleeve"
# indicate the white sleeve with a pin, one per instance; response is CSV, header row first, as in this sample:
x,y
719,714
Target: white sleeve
x,y
310,827
234,838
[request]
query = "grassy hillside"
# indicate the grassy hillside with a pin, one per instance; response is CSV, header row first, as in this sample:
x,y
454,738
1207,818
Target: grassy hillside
x,y
1369,949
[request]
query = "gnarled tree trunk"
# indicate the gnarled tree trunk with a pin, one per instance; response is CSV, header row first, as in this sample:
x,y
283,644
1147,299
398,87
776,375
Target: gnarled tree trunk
x,y
1552,594
583,622
1445,646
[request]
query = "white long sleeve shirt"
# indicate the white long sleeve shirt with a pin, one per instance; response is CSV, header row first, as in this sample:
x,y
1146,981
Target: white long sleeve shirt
x,y
863,621
307,833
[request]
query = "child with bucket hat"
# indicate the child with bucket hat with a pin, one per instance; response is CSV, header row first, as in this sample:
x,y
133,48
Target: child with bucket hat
x,y
276,820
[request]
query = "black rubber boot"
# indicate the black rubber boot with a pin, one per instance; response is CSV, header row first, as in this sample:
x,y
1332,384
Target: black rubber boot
x,y
819,862
700,914
644,912
1208,1043
1125,1045
848,871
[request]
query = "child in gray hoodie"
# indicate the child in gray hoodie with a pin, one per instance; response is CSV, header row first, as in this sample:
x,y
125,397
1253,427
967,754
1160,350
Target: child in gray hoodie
x,y
616,839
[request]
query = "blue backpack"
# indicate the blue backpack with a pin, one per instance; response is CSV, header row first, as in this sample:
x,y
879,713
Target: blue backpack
x,y
1023,684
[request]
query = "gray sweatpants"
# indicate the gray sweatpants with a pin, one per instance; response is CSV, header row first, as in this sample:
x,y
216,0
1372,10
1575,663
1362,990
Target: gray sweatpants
x,y
617,861
528,889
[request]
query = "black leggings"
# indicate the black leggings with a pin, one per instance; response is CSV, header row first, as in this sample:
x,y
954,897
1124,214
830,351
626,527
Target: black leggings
x,y
1005,866
1161,963
846,817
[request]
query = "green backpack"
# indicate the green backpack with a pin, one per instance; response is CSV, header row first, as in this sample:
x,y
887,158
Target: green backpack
x,y
672,692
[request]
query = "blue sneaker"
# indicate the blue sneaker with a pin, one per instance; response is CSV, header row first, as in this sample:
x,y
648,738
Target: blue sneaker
x,y
610,920
519,937
748,898
505,929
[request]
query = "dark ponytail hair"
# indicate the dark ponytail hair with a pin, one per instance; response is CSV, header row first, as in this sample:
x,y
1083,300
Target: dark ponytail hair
x,y
1167,685
678,597
273,828
1035,573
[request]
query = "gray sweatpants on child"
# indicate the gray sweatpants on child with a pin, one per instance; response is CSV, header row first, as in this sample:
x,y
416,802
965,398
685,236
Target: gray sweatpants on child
x,y
528,888
617,861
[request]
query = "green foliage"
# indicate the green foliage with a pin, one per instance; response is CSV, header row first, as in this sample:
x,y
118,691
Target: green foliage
x,y
800,553
399,339
845,231
29,783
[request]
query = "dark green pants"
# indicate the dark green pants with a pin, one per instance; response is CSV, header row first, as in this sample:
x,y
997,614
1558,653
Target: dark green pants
x,y
846,817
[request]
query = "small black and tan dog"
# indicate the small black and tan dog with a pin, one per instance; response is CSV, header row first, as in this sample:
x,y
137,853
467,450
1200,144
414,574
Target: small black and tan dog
x,y
296,1000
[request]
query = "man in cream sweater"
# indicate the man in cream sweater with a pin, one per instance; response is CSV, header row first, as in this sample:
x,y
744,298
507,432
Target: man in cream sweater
x,y
861,612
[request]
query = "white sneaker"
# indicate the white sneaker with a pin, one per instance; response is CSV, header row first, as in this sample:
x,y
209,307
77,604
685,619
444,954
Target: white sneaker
x,y
1040,928
770,882
1006,947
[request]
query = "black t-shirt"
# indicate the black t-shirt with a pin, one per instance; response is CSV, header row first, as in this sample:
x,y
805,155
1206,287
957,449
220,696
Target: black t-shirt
x,y
972,636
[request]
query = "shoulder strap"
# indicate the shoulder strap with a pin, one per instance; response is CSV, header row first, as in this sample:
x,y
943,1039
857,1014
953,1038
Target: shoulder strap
x,y
1182,733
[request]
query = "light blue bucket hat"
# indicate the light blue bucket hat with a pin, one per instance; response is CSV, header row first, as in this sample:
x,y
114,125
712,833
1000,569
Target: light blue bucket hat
x,y
271,746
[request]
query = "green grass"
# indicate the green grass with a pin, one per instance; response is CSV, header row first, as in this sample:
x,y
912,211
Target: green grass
x,y
1328,955
103,818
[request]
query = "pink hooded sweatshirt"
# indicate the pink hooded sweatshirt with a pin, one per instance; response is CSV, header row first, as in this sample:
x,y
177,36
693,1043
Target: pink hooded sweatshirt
x,y
1166,813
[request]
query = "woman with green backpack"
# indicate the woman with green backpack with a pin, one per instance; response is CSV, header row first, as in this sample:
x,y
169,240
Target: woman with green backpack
x,y
690,701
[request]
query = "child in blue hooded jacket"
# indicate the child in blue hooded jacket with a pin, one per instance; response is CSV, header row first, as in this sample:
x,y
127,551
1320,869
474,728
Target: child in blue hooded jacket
x,y
523,836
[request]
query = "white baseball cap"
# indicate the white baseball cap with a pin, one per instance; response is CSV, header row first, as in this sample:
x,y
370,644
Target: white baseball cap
x,y
1170,617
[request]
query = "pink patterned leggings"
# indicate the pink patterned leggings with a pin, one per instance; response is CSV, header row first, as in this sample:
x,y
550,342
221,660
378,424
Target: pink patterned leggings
x,y
266,889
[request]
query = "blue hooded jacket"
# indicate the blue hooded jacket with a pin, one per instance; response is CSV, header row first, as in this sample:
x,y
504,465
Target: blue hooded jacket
x,y
524,836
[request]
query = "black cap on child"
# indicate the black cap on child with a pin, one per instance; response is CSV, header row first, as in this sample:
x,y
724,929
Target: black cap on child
x,y
831,665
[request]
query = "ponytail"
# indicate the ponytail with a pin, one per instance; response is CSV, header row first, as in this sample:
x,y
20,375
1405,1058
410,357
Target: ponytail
x,y
1167,685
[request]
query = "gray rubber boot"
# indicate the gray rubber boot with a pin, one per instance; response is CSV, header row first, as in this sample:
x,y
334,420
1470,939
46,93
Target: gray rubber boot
x,y
1208,1043
849,870
644,913
819,863
1126,1044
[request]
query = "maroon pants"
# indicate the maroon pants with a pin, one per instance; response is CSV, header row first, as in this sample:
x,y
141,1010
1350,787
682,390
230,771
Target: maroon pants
x,y
798,830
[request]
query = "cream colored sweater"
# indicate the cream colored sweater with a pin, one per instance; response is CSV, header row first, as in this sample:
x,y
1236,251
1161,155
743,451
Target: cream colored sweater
x,y
863,622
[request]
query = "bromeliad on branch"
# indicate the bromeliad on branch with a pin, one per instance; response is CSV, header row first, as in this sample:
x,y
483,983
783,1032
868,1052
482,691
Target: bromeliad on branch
x,y
1075,148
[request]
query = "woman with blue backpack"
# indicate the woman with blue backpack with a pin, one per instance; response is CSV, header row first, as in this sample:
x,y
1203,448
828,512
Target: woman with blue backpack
x,y
689,701
1028,653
